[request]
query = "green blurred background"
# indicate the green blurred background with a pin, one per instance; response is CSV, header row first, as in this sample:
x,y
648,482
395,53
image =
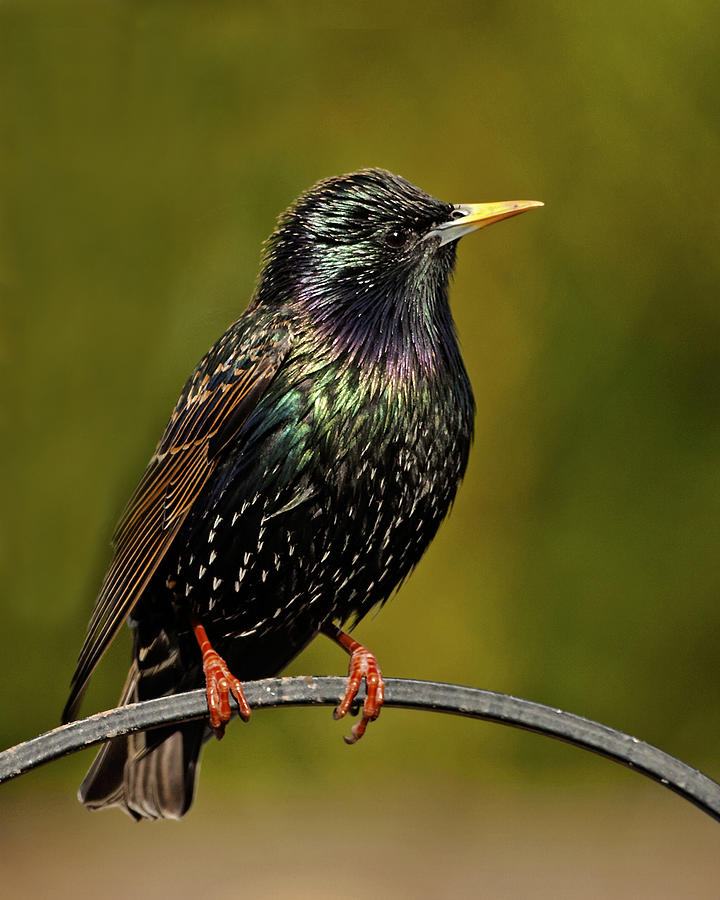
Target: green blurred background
x,y
146,150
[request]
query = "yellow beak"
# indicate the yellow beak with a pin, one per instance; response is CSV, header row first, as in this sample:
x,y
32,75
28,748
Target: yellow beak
x,y
477,215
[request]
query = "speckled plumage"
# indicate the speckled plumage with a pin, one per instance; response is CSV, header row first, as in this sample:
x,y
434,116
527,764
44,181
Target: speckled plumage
x,y
308,464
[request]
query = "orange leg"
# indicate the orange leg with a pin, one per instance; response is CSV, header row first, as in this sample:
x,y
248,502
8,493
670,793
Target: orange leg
x,y
219,684
362,665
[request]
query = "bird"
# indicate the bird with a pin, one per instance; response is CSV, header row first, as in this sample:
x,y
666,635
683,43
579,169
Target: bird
x,y
306,467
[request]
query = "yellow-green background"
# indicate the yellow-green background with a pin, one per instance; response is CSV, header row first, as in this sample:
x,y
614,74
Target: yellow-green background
x,y
145,152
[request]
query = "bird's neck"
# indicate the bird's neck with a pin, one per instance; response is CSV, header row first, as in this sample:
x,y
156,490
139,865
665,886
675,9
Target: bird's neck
x,y
399,338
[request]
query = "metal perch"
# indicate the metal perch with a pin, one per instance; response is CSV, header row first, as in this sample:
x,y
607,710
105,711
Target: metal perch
x,y
404,693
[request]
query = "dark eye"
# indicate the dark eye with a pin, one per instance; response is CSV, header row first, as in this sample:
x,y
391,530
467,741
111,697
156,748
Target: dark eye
x,y
397,238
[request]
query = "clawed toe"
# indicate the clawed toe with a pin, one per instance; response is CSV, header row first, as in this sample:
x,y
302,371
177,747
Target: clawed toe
x,y
219,684
363,665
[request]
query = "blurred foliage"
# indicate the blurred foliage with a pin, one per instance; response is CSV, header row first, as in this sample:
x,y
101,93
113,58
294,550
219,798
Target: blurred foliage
x,y
145,151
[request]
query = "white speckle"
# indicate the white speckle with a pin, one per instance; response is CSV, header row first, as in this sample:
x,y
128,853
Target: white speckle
x,y
211,536
246,559
235,517
211,602
218,520
247,633
216,583
192,559
276,559
324,556
277,612
264,575
213,557
237,587
188,588
201,571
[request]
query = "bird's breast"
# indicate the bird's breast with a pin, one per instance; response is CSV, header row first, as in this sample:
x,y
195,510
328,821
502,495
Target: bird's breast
x,y
326,504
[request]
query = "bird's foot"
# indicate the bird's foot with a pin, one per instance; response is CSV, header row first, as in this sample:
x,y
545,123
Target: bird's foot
x,y
363,664
219,684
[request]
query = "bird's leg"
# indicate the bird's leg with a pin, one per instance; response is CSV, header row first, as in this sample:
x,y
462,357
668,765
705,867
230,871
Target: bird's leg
x,y
362,665
219,683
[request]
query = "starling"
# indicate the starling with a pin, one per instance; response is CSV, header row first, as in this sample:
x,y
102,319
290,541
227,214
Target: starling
x,y
306,467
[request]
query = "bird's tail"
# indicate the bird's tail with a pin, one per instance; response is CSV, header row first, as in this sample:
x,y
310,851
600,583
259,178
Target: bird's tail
x,y
150,775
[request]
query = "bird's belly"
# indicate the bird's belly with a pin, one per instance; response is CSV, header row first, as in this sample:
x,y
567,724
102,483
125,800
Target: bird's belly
x,y
266,572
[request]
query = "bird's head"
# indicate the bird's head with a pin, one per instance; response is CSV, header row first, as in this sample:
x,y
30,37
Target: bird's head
x,y
371,253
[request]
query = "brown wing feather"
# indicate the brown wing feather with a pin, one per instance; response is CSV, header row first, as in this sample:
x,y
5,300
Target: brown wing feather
x,y
218,398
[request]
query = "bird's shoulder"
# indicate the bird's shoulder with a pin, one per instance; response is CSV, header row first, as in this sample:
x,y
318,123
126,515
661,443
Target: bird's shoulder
x,y
253,346
217,398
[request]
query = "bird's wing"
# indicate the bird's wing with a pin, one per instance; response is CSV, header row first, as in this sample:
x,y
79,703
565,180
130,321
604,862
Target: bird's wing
x,y
216,401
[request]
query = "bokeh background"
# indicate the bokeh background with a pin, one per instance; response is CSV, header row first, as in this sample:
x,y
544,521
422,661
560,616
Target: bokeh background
x,y
146,149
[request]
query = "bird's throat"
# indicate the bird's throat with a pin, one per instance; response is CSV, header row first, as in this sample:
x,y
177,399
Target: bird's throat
x,y
403,341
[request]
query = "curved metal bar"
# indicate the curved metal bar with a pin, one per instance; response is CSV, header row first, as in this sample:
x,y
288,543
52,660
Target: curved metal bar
x,y
405,693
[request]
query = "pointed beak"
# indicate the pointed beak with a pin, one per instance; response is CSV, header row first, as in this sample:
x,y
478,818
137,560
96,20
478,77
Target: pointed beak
x,y
471,216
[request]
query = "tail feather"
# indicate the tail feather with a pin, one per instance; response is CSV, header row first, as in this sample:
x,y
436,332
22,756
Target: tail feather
x,y
150,775
155,783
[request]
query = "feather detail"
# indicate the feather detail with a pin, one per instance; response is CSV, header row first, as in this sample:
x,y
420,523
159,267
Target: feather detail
x,y
217,400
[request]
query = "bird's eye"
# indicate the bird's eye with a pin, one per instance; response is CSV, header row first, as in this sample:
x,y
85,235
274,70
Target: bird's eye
x,y
397,238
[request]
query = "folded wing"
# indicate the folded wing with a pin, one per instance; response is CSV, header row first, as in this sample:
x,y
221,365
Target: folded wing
x,y
216,401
